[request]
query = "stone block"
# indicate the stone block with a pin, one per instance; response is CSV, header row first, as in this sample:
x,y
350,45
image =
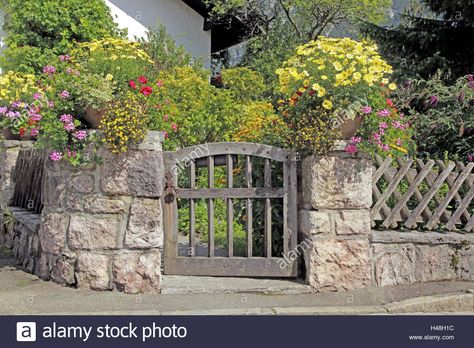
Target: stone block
x,y
95,204
94,232
334,265
394,264
135,272
352,222
82,183
92,271
314,222
145,229
52,233
136,174
434,263
63,269
337,182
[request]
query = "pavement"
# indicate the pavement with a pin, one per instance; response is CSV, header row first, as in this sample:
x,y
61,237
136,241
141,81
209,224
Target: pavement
x,y
24,294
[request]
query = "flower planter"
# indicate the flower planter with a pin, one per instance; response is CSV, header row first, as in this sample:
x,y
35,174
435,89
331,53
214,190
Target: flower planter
x,y
9,135
349,127
94,117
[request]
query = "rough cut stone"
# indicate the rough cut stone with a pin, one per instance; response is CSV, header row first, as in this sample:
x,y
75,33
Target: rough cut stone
x,y
434,262
43,267
92,271
335,265
95,204
94,232
145,228
314,222
54,190
137,273
394,264
63,269
137,173
331,182
352,222
52,233
82,183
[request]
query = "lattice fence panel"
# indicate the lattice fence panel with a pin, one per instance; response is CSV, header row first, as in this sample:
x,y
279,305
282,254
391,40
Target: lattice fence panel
x,y
429,195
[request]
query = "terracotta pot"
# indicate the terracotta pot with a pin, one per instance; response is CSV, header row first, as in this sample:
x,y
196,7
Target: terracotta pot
x,y
9,135
94,116
349,127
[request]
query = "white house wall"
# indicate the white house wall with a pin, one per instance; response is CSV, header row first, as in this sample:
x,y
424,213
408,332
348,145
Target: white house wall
x,y
182,22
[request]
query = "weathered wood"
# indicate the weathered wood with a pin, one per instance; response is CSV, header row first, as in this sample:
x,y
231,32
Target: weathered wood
x,y
236,193
249,207
429,195
461,209
192,210
170,217
268,209
455,187
210,207
230,208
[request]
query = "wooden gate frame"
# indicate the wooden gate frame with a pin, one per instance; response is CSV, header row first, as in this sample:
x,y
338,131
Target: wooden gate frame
x,y
248,266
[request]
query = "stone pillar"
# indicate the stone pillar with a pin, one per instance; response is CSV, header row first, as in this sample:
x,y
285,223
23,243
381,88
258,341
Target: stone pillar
x,y
101,225
334,219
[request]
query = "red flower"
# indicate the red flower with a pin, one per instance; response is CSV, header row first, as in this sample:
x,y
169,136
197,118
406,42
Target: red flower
x,y
390,103
22,132
146,90
143,80
132,84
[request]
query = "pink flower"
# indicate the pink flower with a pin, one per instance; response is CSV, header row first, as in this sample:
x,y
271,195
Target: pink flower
x,y
34,132
64,94
36,96
56,156
470,157
132,84
49,70
383,113
174,126
383,125
165,118
385,147
35,117
351,149
434,100
71,153
50,104
166,135
356,140
143,80
66,118
146,90
69,126
366,110
159,83
64,57
80,135
399,142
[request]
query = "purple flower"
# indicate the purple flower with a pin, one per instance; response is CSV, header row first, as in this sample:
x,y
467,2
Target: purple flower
x,y
49,70
470,77
34,132
383,125
36,96
434,100
50,104
366,110
35,117
66,118
351,149
356,140
384,113
3,110
80,135
64,94
64,57
56,156
69,126
470,157
385,147
13,114
471,84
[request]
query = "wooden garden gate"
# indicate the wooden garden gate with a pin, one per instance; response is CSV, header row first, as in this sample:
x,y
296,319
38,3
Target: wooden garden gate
x,y
241,158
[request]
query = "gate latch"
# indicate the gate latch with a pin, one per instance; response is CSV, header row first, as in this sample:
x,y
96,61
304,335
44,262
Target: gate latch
x,y
170,190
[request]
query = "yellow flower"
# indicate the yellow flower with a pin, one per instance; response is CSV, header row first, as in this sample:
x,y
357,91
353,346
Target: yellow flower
x,y
392,86
327,104
324,77
109,77
337,66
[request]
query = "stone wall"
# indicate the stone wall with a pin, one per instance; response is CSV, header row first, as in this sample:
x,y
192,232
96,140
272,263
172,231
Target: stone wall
x,y
101,225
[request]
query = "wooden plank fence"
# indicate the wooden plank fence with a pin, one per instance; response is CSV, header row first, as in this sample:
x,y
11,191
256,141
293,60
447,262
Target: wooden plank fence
x,y
28,180
429,195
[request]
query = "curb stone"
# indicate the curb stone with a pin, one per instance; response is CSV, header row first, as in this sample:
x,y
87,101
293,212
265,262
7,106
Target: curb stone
x,y
454,302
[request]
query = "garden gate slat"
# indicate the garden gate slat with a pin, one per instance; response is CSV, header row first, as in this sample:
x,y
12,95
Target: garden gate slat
x,y
270,264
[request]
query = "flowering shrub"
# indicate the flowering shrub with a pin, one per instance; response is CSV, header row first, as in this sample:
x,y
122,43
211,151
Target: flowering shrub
x,y
16,86
325,83
442,116
21,118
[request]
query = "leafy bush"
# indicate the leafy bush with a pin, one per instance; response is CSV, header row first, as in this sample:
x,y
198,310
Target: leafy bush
x,y
244,83
26,59
441,115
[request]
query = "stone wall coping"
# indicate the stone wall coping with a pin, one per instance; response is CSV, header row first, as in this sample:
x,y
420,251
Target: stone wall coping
x,y
31,220
422,237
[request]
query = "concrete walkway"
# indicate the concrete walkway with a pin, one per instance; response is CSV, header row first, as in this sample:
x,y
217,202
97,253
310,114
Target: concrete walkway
x,y
23,293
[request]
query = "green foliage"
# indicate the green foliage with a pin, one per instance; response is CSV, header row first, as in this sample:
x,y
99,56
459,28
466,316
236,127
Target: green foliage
x,y
164,51
26,59
244,83
56,24
436,37
441,116
8,218
191,110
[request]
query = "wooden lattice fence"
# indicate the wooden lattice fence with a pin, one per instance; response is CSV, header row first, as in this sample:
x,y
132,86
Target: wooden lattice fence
x,y
428,195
